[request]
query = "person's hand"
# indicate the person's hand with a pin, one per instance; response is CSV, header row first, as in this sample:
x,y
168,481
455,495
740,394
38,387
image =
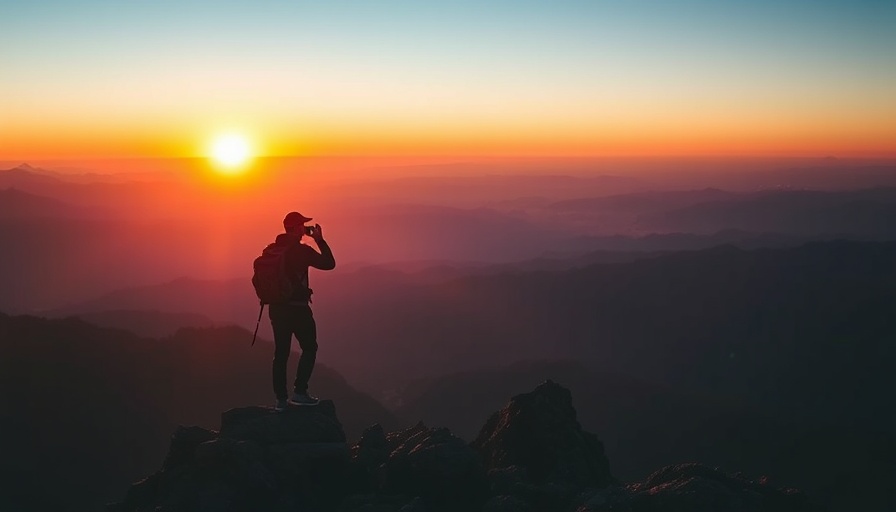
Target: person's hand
x,y
318,234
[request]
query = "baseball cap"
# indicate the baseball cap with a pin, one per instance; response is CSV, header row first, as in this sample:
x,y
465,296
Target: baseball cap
x,y
295,219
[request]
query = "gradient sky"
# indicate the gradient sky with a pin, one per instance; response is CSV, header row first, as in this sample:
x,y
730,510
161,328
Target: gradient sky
x,y
601,77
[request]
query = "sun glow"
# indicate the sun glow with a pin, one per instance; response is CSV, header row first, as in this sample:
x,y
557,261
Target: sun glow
x,y
231,151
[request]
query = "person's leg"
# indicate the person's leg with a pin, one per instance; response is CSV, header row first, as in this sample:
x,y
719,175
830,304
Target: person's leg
x,y
282,326
306,333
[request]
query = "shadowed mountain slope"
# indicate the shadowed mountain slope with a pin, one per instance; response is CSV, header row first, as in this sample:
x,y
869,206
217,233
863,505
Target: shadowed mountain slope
x,y
150,324
75,397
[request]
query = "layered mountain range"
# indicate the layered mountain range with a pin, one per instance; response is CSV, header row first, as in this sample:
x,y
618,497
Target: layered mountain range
x,y
736,321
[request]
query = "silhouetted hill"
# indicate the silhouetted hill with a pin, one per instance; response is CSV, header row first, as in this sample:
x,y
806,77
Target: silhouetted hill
x,y
610,214
433,231
478,189
668,242
828,173
148,323
16,204
642,202
532,454
25,176
219,299
863,213
50,262
76,397
801,212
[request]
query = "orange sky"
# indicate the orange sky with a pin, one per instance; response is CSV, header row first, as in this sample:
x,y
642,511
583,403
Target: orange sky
x,y
585,80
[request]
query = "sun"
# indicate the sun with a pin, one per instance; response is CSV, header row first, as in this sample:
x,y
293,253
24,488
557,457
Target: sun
x,y
231,151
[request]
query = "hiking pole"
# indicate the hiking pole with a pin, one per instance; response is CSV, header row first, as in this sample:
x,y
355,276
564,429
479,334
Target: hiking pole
x,y
257,324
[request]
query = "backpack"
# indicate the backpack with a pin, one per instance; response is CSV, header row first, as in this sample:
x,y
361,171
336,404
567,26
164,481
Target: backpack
x,y
271,282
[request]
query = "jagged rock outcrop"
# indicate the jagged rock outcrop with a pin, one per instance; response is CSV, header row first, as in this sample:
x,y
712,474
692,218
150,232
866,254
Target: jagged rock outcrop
x,y
439,469
697,488
434,464
183,445
539,433
260,460
531,456
694,488
372,450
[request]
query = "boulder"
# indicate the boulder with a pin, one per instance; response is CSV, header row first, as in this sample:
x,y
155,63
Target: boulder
x,y
183,444
313,465
260,460
434,464
539,432
224,475
297,424
507,480
372,449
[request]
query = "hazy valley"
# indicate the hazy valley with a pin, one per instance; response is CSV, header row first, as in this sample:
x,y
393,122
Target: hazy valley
x,y
734,323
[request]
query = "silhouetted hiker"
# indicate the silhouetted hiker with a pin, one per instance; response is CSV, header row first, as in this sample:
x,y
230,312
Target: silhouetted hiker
x,y
281,281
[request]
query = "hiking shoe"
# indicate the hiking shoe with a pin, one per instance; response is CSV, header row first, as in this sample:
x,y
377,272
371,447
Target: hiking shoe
x,y
304,399
281,405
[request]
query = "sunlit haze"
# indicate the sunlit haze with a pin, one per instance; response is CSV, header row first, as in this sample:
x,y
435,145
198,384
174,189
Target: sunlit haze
x,y
97,79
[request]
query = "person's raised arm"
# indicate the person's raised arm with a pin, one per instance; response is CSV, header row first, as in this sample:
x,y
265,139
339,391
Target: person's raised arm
x,y
323,260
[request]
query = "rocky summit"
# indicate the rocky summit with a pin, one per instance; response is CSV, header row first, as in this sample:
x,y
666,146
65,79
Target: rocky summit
x,y
532,455
539,433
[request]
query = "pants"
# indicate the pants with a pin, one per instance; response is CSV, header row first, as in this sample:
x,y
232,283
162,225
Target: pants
x,y
288,320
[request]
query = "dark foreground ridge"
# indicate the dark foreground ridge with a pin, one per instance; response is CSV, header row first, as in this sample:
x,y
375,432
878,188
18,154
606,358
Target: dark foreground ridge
x,y
531,456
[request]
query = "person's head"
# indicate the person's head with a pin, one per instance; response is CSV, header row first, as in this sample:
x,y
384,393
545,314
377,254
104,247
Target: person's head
x,y
294,222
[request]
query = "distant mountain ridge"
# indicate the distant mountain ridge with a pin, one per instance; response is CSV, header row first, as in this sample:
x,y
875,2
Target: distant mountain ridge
x,y
26,171
863,213
803,212
16,204
148,323
195,294
25,176
124,232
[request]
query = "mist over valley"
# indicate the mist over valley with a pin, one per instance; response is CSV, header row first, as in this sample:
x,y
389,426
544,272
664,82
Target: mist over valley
x,y
727,321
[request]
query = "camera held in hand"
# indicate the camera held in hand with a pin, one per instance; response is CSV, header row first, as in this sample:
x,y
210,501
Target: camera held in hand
x,y
309,230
